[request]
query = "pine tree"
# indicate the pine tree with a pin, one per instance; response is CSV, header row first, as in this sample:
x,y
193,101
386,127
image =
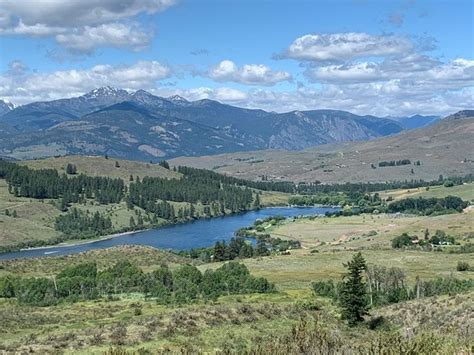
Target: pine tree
x,y
132,223
117,165
354,299
14,215
256,203
71,169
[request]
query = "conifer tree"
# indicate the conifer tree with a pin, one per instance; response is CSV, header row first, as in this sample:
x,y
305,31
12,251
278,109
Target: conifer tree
x,y
354,299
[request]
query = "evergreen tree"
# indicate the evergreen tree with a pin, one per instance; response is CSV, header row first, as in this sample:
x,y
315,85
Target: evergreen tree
x,y
354,299
256,203
117,165
14,215
71,169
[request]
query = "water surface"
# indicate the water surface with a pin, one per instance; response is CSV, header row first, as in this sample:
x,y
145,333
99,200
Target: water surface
x,y
196,234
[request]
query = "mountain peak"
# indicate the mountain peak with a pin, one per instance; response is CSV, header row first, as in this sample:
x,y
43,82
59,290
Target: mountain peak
x,y
6,106
177,99
106,91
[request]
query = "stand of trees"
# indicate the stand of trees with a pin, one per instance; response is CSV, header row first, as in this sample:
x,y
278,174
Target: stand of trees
x,y
316,187
80,224
394,163
378,285
48,183
428,206
242,248
84,282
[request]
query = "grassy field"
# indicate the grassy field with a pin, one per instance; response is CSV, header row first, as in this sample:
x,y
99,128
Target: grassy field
x,y
465,191
370,231
100,166
35,219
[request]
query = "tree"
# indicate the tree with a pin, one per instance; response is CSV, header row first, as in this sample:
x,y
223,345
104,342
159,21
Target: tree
x,y
164,164
427,234
354,299
256,203
117,165
71,169
14,215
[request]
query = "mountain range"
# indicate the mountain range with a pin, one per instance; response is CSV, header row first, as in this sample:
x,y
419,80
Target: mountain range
x,y
143,126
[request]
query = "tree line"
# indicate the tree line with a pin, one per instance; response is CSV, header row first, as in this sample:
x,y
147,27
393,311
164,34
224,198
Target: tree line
x,y
240,247
49,184
85,282
428,206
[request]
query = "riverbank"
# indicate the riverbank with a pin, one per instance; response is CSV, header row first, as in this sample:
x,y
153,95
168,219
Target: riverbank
x,y
183,236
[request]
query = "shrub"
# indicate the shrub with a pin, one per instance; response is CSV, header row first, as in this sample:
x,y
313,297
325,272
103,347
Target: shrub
x,y
462,266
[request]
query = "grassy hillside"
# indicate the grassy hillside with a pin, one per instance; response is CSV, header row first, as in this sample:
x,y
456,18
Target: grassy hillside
x,y
446,148
100,166
237,322
465,191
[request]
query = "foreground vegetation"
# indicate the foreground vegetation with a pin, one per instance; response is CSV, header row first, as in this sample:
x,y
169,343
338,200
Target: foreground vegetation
x,y
290,318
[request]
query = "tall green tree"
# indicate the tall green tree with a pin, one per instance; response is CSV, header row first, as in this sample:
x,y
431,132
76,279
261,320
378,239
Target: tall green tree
x,y
354,299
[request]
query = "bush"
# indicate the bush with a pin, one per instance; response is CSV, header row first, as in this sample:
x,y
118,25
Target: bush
x,y
462,266
402,241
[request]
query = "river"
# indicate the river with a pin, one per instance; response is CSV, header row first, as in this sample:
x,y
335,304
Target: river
x,y
185,236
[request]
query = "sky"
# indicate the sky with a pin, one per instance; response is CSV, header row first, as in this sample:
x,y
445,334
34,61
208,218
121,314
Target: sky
x,y
379,57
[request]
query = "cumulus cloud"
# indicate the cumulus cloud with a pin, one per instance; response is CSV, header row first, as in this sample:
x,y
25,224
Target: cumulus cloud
x,y
30,86
251,74
88,38
60,13
81,25
457,73
337,47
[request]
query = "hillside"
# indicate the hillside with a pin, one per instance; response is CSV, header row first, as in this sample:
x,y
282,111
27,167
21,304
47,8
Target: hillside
x,y
101,166
142,126
445,148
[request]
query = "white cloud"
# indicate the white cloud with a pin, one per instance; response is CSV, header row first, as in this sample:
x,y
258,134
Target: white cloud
x,y
108,35
76,13
359,72
338,47
250,74
28,87
431,74
81,25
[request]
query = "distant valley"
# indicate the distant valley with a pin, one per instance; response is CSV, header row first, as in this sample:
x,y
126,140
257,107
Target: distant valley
x,y
141,126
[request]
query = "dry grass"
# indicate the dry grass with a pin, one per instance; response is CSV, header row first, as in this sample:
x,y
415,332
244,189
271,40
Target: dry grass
x,y
465,191
99,166
446,148
370,231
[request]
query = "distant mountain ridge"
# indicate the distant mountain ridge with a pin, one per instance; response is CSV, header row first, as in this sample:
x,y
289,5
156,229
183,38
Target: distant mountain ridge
x,y
416,121
140,125
443,148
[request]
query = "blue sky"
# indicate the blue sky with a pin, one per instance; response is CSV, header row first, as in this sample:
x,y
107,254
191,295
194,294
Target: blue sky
x,y
368,57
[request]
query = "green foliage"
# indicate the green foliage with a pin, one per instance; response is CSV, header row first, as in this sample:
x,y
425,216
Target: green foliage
x,y
394,163
71,169
428,206
403,240
47,183
80,224
353,293
441,238
83,282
